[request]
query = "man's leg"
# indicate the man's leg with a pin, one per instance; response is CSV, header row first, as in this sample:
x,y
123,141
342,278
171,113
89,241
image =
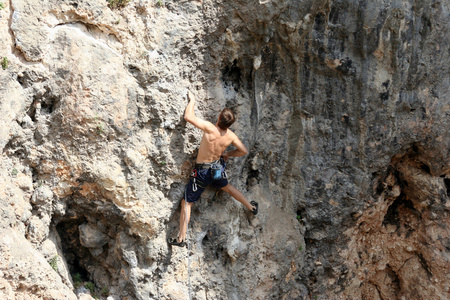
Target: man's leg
x,y
184,214
234,192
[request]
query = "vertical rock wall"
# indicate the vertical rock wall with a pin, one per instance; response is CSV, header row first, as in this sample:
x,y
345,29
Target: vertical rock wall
x,y
343,106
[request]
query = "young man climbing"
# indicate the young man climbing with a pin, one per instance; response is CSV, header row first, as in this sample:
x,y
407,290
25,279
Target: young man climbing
x,y
210,164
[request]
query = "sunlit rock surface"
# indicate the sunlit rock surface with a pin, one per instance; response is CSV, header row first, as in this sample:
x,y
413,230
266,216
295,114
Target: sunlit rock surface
x,y
343,105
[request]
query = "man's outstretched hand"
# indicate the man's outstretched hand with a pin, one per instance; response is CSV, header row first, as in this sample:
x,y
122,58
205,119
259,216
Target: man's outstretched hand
x,y
190,96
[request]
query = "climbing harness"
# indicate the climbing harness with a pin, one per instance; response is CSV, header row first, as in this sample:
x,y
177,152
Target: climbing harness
x,y
217,172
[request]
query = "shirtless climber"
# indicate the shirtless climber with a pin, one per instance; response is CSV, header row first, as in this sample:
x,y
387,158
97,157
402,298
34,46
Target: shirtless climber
x,y
210,161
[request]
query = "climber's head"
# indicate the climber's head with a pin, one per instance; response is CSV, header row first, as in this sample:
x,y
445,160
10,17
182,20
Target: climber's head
x,y
226,118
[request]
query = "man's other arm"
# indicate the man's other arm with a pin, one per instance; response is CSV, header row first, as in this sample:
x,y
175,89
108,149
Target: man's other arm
x,y
189,115
240,150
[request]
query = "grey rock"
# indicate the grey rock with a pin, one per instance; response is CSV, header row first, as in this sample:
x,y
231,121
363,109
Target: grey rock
x,y
91,237
343,106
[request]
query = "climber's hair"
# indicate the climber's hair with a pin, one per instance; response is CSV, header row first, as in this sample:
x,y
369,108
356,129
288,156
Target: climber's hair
x,y
226,118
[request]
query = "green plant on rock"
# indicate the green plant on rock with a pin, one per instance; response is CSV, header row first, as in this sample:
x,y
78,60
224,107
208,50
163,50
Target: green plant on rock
x,y
99,125
54,263
160,3
100,128
90,286
2,5
117,3
105,291
4,63
76,280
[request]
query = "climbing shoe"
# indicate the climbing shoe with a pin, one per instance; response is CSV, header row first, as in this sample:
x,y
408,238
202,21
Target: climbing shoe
x,y
174,242
255,204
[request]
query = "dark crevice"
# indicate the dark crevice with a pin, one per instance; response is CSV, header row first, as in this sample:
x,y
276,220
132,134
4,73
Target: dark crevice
x,y
377,288
381,186
301,215
90,264
49,103
424,264
32,112
447,186
231,76
426,168
205,240
252,174
392,215
73,251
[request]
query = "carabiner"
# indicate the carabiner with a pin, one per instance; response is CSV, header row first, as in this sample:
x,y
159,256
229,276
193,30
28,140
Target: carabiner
x,y
194,186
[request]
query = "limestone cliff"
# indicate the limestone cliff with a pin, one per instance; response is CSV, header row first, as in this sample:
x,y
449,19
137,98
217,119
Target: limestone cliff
x,y
343,105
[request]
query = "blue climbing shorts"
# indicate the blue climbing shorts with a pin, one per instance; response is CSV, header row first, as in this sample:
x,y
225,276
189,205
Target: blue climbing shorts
x,y
201,177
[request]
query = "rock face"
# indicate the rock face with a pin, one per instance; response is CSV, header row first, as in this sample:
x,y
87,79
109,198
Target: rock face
x,y
343,105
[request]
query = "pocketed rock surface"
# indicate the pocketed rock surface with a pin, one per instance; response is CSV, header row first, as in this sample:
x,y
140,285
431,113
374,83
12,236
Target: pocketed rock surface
x,y
343,105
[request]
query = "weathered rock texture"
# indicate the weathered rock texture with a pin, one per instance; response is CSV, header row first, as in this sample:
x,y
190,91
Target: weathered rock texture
x,y
344,106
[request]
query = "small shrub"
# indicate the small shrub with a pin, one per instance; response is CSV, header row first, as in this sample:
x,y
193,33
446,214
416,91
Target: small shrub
x,y
100,128
76,280
54,263
117,3
90,286
105,291
4,63
14,172
2,5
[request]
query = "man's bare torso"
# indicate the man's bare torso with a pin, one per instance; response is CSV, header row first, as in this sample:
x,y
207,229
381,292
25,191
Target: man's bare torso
x,y
214,143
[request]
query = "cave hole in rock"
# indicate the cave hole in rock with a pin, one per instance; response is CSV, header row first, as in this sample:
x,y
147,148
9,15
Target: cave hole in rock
x,y
231,76
425,168
48,103
73,251
300,215
253,177
399,206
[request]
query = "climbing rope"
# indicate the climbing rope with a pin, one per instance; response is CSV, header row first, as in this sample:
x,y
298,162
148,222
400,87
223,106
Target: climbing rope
x,y
188,245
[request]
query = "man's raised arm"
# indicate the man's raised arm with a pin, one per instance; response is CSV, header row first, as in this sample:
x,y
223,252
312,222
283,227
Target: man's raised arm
x,y
189,114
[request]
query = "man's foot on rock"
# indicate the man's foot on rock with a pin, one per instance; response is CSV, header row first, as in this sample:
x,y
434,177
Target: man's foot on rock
x,y
175,242
255,207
